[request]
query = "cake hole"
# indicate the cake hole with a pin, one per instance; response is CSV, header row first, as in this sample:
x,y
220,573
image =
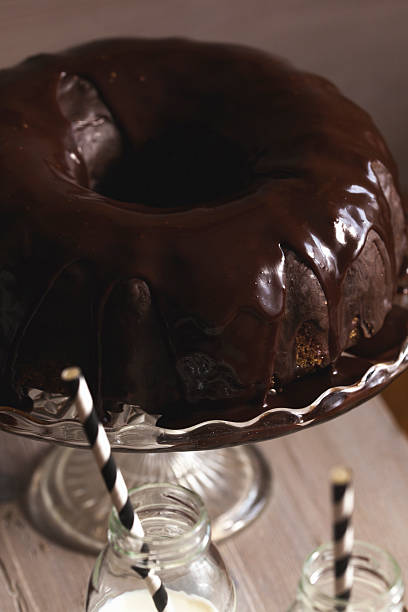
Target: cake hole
x,y
185,166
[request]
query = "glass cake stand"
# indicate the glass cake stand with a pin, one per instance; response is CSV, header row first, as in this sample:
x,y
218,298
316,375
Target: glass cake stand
x,y
67,500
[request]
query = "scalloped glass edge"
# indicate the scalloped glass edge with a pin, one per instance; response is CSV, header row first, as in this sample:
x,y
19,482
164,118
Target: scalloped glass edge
x,y
53,419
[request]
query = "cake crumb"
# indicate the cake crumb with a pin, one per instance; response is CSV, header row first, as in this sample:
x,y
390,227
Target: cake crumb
x,y
308,352
355,331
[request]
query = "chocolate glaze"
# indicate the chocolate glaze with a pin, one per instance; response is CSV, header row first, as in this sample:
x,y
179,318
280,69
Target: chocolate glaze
x,y
300,392
180,217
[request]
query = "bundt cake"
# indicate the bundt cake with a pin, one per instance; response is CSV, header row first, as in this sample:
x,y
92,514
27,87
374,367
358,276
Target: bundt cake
x,y
187,222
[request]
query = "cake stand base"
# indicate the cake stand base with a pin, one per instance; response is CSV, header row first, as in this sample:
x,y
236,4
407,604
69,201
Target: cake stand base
x,y
67,500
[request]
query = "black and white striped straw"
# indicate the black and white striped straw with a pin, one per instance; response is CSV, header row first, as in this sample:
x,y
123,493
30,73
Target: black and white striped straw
x,y
112,477
343,531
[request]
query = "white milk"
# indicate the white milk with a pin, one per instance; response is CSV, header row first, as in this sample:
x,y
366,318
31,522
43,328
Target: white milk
x,y
141,601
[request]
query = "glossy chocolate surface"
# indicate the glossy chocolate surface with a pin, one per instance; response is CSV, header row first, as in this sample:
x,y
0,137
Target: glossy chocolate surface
x,y
158,199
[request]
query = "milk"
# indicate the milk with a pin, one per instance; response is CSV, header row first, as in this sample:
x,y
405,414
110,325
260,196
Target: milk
x,y
141,601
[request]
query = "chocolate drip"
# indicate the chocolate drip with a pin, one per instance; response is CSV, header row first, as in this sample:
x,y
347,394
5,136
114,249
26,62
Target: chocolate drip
x,y
215,180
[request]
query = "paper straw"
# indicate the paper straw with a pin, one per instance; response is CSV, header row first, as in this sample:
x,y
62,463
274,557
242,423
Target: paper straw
x,y
343,532
112,477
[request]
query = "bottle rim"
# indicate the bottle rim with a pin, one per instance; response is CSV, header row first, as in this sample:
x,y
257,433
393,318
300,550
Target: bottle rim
x,y
171,549
362,551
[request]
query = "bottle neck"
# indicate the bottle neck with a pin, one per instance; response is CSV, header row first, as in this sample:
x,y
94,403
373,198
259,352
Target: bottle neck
x,y
377,583
175,524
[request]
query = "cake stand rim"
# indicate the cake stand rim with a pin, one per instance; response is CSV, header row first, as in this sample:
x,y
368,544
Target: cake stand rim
x,y
260,427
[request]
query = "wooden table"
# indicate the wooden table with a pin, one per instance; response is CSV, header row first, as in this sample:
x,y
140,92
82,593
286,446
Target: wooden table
x,y
265,560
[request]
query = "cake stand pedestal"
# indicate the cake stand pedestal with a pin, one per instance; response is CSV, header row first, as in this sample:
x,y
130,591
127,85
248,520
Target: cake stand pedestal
x,y
67,497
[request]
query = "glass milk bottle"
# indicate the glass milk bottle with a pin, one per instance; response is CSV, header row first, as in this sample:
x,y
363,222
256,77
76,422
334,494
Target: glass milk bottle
x,y
177,533
377,583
